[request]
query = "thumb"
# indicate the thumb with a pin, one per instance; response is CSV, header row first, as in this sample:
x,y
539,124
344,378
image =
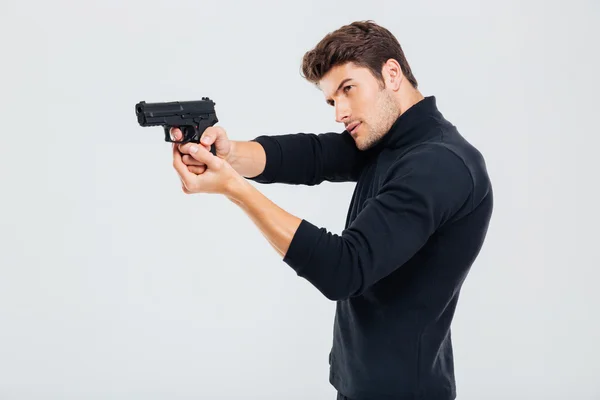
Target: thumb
x,y
200,153
214,135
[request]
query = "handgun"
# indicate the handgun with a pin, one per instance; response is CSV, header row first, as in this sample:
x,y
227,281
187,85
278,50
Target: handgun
x,y
192,117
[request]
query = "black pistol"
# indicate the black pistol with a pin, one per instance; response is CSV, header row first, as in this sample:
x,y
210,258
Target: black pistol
x,y
192,117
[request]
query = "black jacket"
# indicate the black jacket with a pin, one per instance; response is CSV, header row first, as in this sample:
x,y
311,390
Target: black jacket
x,y
416,223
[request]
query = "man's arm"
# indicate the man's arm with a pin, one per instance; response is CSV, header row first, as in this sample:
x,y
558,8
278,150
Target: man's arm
x,y
423,190
248,158
277,225
300,158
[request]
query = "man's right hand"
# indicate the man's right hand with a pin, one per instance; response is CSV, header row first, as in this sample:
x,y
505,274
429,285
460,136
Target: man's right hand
x,y
213,135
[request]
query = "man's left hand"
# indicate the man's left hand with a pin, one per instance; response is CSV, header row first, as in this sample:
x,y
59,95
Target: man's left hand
x,y
219,177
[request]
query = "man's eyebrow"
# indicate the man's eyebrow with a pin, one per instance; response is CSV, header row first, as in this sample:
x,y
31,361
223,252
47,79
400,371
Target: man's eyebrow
x,y
328,101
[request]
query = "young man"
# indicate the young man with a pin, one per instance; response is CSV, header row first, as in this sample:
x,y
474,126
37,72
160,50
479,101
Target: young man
x,y
416,223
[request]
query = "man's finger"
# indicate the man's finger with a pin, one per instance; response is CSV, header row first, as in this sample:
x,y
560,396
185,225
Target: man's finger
x,y
182,169
204,156
197,170
184,148
175,134
189,160
210,135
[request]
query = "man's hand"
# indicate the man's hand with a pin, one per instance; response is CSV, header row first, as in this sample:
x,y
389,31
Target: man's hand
x,y
215,176
202,172
214,135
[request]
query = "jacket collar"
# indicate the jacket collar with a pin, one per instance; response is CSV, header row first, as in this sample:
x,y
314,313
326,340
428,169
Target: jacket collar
x,y
408,128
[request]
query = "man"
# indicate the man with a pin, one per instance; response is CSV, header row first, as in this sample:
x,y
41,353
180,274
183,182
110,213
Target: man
x,y
416,223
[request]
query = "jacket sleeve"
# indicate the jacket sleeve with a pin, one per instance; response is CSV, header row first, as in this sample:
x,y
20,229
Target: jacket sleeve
x,y
420,192
309,159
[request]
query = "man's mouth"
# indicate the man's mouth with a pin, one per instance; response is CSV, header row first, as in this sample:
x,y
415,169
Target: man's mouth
x,y
352,127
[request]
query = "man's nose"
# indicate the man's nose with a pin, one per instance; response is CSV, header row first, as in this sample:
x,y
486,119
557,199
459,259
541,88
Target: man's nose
x,y
342,112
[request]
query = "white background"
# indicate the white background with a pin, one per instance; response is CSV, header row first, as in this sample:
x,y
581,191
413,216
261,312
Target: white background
x,y
116,285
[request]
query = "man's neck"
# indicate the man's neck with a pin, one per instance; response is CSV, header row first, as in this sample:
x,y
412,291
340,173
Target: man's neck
x,y
408,98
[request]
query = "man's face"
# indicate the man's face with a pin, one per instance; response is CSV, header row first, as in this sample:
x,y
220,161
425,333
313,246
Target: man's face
x,y
367,109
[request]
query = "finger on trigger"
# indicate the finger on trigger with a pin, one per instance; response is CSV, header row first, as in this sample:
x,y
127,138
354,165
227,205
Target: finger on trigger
x,y
175,133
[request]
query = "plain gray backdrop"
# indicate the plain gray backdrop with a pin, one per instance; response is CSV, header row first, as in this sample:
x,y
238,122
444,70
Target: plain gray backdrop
x,y
114,284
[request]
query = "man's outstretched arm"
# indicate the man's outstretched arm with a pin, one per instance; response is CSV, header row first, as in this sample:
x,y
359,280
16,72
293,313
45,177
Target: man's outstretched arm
x,y
299,158
277,225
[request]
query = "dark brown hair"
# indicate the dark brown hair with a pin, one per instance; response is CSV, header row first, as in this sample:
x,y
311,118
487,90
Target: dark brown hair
x,y
364,43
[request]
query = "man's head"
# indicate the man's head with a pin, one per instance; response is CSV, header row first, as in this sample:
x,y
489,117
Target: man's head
x,y
363,73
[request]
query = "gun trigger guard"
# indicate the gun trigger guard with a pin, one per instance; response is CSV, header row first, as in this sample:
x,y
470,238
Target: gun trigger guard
x,y
168,134
190,134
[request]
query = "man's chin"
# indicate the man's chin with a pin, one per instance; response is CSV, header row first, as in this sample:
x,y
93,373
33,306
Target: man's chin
x,y
363,143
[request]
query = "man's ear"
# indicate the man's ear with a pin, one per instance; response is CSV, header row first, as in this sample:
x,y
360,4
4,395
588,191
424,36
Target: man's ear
x,y
392,73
